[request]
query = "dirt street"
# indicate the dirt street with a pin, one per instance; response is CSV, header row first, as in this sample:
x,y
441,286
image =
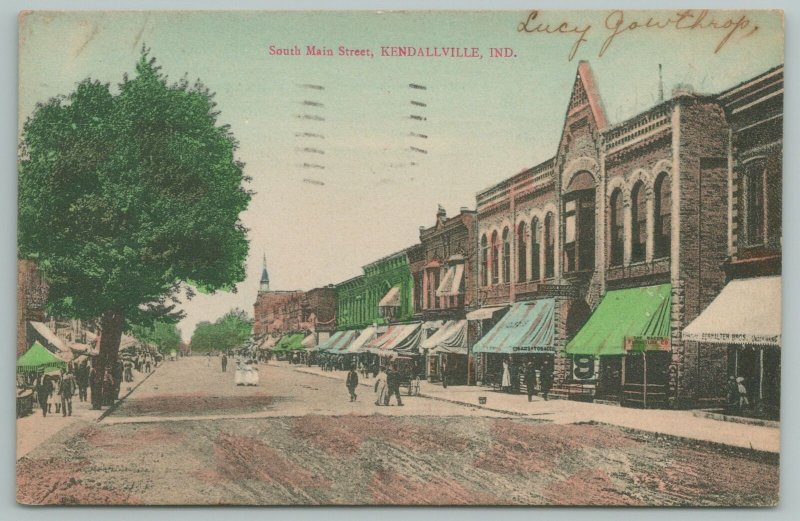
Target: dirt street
x,y
189,436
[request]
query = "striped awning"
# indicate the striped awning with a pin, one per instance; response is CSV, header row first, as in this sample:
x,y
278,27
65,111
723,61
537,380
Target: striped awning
x,y
451,338
485,313
400,338
451,284
310,341
528,327
337,341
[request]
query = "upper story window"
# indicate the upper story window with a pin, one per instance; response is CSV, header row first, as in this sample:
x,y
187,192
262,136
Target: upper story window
x,y
535,245
522,253
579,223
616,229
754,204
484,261
638,222
549,245
506,255
495,258
662,214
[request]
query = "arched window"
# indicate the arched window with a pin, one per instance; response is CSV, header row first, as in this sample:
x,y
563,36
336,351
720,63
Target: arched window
x,y
662,210
638,222
484,261
754,202
550,246
522,253
506,255
616,229
578,222
536,231
495,258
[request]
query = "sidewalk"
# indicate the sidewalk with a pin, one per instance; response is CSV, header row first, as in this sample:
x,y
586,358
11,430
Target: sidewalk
x,y
35,429
681,424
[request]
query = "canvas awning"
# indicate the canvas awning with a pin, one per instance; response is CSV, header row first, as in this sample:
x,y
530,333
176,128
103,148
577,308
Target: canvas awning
x,y
400,338
365,337
37,358
337,340
52,342
747,311
391,299
485,313
432,324
641,314
451,338
268,343
451,284
528,327
310,341
290,342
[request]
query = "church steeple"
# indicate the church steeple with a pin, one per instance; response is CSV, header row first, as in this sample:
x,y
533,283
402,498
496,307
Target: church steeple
x,y
264,287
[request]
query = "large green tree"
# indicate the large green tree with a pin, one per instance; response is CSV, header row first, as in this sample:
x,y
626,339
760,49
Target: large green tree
x,y
126,194
228,332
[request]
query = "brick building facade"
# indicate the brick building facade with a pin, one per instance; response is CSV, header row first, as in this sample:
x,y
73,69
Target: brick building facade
x,y
640,204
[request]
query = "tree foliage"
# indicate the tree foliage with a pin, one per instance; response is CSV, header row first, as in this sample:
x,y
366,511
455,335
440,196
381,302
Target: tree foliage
x,y
164,335
229,332
122,196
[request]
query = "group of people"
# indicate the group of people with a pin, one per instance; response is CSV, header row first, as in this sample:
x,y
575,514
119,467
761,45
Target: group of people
x,y
510,380
387,384
56,392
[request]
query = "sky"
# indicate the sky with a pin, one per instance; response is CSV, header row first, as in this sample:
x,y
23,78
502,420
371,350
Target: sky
x,y
485,118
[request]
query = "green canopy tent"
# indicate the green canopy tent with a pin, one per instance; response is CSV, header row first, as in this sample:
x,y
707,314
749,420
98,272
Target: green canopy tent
x,y
37,359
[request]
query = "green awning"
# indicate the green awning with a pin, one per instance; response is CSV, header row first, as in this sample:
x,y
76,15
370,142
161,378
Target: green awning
x,y
37,358
291,342
638,316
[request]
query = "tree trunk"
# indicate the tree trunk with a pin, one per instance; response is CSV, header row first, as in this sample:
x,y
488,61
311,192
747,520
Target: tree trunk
x,y
110,336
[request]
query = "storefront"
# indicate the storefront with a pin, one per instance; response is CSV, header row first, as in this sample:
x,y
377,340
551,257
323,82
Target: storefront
x,y
628,338
479,322
399,340
447,347
525,334
746,317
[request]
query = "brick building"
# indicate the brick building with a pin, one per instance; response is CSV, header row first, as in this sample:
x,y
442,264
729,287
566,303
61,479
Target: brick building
x,y
632,212
445,287
744,321
31,299
277,313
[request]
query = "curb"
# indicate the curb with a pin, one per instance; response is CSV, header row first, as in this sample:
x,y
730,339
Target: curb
x,y
712,414
112,408
687,440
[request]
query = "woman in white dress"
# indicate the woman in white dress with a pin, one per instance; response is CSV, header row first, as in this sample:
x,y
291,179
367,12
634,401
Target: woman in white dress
x,y
506,382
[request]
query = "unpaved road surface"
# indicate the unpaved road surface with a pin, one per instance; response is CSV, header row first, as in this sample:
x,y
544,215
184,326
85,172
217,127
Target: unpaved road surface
x,y
189,436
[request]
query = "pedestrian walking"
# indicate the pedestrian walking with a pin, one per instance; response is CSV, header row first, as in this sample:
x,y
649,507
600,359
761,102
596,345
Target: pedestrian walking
x,y
530,380
393,383
445,373
82,380
208,359
43,391
731,394
352,383
109,388
381,388
505,383
53,401
743,400
224,362
128,370
547,379
96,383
514,370
116,374
66,391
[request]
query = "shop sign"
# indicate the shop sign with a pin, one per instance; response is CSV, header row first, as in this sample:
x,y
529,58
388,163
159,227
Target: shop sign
x,y
583,367
641,343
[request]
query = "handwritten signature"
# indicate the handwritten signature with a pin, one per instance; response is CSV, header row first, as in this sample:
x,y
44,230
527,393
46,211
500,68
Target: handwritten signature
x,y
616,24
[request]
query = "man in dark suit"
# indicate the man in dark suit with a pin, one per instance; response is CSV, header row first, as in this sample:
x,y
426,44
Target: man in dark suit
x,y
393,383
352,383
